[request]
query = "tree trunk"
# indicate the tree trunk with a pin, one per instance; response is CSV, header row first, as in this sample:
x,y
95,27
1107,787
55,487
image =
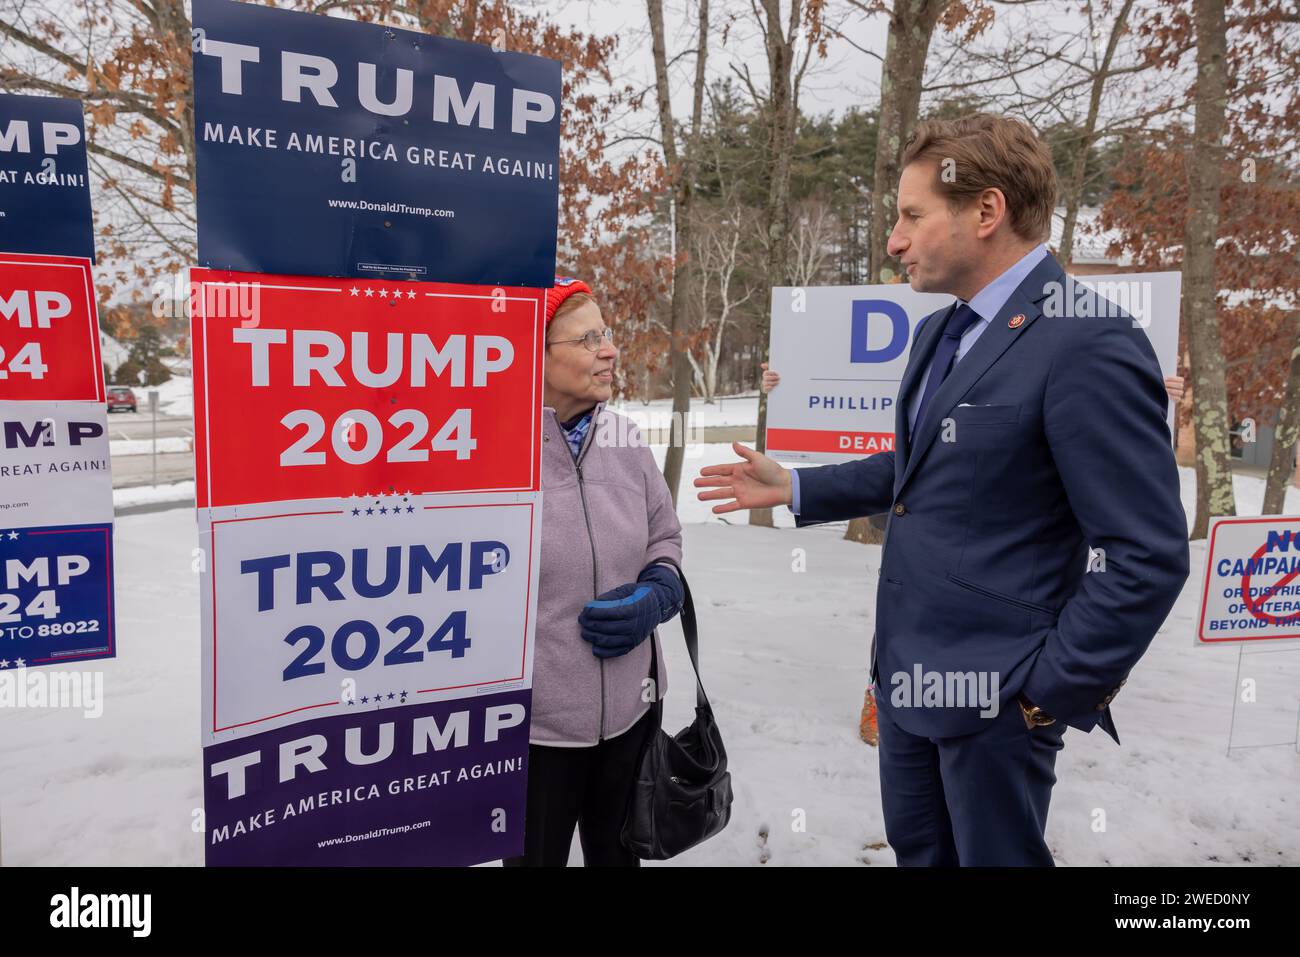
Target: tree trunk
x,y
683,177
1074,188
1214,494
1285,433
911,25
776,214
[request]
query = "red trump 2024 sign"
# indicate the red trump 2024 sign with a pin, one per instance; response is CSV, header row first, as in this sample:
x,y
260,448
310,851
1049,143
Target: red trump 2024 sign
x,y
317,388
49,331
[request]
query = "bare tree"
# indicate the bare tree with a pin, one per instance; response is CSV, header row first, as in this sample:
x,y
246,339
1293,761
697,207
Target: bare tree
x,y
1055,76
1072,188
129,64
1214,494
1285,433
814,228
790,42
681,168
911,25
719,235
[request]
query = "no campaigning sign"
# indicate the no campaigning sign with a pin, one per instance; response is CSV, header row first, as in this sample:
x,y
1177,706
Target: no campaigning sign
x,y
1252,581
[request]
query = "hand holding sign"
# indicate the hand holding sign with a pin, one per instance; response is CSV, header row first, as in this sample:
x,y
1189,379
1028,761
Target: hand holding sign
x,y
757,482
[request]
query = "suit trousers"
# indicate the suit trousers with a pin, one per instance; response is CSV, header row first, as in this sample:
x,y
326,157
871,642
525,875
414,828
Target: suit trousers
x,y
975,800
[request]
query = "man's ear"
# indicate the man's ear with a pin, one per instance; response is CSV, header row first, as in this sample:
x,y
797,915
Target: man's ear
x,y
992,208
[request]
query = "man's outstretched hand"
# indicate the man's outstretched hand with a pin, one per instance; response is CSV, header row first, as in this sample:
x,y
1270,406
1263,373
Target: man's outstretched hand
x,y
757,482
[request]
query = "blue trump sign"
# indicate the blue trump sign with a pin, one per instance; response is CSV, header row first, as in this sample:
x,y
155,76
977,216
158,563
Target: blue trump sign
x,y
336,148
44,187
56,599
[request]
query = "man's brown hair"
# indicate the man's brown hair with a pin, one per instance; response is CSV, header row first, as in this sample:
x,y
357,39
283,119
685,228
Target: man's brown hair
x,y
989,151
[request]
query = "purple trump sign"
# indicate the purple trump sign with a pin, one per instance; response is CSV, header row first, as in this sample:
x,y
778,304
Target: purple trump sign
x,y
427,784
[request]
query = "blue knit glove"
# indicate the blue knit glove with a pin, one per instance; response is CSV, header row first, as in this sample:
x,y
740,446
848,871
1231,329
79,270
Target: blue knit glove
x,y
625,616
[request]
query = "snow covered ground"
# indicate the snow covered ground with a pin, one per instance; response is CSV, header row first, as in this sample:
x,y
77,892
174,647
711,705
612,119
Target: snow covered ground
x,y
153,494
175,396
169,443
784,658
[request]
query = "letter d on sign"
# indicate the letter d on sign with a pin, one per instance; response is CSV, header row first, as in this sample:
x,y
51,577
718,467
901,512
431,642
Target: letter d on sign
x,y
862,310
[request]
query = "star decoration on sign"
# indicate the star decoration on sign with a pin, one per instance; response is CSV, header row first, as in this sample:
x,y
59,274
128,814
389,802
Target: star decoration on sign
x,y
354,290
410,294
380,697
369,292
391,501
12,536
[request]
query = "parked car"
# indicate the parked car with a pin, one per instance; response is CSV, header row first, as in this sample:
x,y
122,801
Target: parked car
x,y
120,397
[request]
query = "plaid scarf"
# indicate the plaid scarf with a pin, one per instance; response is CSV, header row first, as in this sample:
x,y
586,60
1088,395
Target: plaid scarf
x,y
575,431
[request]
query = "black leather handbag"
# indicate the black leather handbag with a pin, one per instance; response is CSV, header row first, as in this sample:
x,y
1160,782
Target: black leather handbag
x,y
682,793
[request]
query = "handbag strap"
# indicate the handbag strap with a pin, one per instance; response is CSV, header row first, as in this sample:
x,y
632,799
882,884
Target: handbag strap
x,y
691,631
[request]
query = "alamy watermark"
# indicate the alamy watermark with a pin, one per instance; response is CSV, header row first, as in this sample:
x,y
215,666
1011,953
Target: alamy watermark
x,y
176,297
633,428
946,689
46,688
1101,298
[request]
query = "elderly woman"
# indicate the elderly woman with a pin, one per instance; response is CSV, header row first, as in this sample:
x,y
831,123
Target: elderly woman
x,y
611,544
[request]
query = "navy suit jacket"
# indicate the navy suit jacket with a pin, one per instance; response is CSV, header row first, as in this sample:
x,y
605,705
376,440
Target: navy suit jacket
x,y
1049,436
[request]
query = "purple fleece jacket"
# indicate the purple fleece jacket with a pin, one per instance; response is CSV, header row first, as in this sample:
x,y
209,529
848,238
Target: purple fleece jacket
x,y
597,533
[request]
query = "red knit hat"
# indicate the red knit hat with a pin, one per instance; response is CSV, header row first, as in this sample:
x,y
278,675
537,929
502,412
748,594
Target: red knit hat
x,y
564,287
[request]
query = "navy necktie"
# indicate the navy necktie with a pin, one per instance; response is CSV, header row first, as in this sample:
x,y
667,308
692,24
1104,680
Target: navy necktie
x,y
962,318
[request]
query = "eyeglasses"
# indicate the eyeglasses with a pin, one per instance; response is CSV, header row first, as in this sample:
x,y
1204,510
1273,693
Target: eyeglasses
x,y
593,340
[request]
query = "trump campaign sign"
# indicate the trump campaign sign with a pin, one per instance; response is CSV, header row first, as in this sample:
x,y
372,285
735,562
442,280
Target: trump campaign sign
x,y
1251,589
56,490
331,147
367,469
366,679
56,534
841,352
308,388
49,330
44,187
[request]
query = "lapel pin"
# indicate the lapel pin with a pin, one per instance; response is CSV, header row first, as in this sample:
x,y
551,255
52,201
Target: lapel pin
x,y
1016,321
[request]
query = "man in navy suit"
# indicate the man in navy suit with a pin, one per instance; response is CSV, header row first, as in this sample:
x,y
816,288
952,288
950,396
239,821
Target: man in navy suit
x,y
1030,427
